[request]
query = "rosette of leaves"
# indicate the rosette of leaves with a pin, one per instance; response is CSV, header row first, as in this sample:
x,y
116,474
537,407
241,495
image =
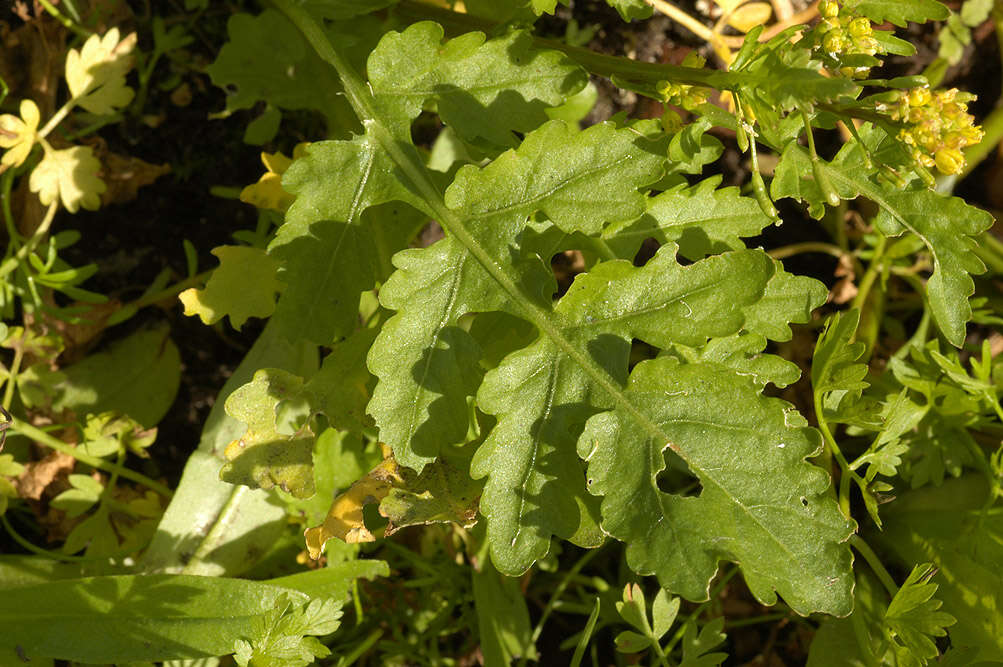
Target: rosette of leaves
x,y
571,441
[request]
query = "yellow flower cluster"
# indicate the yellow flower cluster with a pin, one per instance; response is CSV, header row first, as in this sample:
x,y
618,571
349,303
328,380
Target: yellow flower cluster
x,y
843,34
938,126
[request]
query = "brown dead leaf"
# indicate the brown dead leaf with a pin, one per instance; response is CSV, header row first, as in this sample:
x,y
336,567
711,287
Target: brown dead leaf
x,y
38,475
125,175
845,288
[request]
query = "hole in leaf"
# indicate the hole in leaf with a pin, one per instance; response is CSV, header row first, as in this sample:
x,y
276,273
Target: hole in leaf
x,y
804,501
647,250
640,351
677,478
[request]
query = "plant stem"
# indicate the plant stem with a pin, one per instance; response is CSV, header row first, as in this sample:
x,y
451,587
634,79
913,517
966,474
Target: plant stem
x,y
11,379
38,435
67,23
872,559
12,263
808,246
565,581
57,118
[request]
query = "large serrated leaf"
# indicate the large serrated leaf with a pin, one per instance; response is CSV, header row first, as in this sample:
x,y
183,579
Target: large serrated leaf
x,y
761,504
541,395
482,89
946,225
702,219
332,243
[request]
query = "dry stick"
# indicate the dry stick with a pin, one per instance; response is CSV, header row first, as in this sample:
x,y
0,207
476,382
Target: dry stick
x,y
706,34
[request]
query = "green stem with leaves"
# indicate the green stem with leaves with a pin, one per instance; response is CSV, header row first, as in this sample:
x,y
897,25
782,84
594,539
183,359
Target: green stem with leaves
x,y
38,435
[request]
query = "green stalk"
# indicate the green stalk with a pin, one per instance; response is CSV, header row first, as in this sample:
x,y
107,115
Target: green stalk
x,y
67,23
878,568
38,435
555,596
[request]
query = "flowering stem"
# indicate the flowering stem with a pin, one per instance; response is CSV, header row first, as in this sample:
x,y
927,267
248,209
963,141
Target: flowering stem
x,y
41,437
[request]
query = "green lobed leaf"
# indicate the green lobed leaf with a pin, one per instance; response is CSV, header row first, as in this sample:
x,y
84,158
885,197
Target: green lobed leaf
x,y
913,615
541,395
136,376
331,245
787,536
946,225
481,89
266,59
898,12
947,525
427,366
702,219
263,456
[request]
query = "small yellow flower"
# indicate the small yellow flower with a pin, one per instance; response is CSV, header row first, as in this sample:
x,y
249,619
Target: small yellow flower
x,y
17,135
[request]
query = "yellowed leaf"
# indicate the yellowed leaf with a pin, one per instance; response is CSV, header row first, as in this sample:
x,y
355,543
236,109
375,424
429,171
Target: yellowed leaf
x,y
17,134
244,285
749,15
95,75
71,175
344,520
268,192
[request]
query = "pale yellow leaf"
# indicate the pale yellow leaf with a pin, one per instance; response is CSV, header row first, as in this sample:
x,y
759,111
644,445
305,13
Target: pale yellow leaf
x,y
95,75
244,285
17,135
71,175
749,15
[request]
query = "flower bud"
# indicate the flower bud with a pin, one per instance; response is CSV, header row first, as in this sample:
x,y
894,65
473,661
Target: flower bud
x,y
828,9
949,161
919,97
834,41
860,27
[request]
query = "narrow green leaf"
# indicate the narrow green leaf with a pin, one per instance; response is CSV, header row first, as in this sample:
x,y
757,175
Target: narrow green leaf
x,y
125,618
